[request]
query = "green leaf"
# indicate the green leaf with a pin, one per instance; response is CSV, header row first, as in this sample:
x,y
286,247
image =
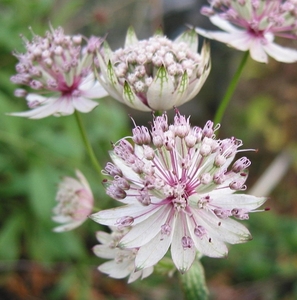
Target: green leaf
x,y
41,190
10,237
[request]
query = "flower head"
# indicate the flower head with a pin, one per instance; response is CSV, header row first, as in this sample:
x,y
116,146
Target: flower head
x,y
178,189
75,202
60,70
154,74
251,25
122,261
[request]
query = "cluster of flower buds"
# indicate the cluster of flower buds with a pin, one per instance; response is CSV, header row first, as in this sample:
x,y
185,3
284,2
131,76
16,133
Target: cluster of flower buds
x,y
154,74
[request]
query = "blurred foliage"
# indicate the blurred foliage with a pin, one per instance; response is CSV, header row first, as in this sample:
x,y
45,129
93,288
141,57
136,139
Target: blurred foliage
x,y
35,154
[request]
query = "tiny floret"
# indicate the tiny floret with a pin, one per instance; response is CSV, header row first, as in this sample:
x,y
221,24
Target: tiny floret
x,y
60,70
154,74
179,192
252,25
75,202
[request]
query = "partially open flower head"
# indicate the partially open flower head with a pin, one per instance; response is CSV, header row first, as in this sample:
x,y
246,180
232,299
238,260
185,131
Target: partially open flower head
x,y
251,25
60,69
75,202
122,261
154,74
177,183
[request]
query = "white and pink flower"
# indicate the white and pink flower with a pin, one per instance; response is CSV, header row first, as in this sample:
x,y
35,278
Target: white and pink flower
x,y
75,203
60,69
252,25
178,192
121,261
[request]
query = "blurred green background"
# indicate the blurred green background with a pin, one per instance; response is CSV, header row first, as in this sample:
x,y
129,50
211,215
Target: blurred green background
x,y
36,263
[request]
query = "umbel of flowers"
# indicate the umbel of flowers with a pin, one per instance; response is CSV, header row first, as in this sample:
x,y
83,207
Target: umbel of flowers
x,y
177,184
154,74
252,25
60,69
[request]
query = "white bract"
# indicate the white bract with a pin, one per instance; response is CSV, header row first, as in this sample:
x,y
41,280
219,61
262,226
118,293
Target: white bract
x,y
178,192
60,69
154,74
122,261
251,25
75,202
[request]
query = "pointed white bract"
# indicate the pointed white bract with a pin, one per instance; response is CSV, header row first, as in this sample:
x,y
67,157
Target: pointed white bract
x,y
60,69
122,261
154,74
75,202
177,183
252,25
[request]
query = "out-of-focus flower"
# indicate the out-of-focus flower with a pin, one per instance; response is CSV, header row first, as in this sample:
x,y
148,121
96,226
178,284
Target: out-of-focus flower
x,y
60,69
75,202
178,192
257,22
122,261
154,74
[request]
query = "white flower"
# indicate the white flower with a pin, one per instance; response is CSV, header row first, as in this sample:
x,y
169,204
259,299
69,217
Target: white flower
x,y
75,202
60,70
257,22
122,261
154,74
178,192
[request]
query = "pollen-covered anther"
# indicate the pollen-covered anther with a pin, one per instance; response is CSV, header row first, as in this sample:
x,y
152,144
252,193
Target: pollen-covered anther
x,y
166,229
220,160
187,242
240,214
116,192
222,213
148,152
121,182
200,231
144,197
124,222
112,170
219,177
241,164
141,135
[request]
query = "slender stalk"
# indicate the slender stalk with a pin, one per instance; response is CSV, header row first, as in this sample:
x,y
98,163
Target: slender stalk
x,y
87,143
231,88
194,284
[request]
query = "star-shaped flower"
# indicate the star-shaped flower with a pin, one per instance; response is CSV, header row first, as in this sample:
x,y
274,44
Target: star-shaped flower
x,y
178,189
252,25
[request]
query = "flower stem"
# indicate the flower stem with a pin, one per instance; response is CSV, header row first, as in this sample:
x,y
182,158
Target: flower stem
x,y
193,283
231,88
87,143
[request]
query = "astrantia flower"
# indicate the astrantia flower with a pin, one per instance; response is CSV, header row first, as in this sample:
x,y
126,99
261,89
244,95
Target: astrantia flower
x,y
256,22
178,192
60,69
75,202
122,261
154,74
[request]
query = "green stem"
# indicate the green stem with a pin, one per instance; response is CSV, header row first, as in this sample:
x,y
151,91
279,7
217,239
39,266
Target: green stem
x,y
224,103
87,143
193,283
